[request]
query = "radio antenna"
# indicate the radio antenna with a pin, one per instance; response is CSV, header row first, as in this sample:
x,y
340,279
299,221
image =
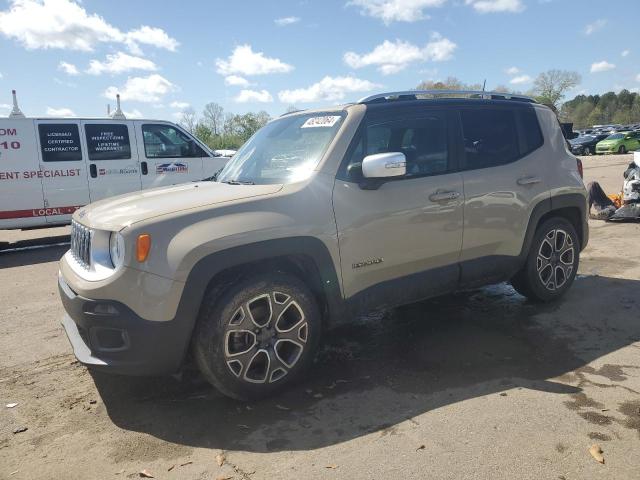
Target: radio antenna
x,y
16,112
118,114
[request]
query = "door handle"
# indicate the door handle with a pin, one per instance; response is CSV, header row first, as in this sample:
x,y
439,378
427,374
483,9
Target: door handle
x,y
93,171
528,180
144,168
443,196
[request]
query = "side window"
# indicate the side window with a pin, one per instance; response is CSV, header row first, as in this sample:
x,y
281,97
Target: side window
x,y
530,129
165,141
422,140
490,137
60,142
108,141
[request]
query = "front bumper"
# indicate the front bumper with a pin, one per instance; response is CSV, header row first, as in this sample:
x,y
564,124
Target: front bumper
x,y
107,335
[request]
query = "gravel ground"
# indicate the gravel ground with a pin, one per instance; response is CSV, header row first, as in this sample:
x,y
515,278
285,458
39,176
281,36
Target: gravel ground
x,y
475,385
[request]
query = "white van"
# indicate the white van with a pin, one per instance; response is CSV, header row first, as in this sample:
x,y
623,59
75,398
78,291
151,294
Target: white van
x,y
50,167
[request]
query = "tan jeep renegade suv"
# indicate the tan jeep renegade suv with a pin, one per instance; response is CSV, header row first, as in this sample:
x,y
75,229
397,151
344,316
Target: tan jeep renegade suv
x,y
321,215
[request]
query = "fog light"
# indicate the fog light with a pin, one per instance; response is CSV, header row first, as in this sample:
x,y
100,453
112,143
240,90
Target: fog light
x,y
105,309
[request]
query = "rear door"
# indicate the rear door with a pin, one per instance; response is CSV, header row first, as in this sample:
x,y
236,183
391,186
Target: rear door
x,y
21,200
113,160
62,169
168,155
504,178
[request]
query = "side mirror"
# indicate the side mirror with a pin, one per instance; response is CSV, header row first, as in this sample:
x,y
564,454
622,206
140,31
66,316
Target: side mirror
x,y
384,165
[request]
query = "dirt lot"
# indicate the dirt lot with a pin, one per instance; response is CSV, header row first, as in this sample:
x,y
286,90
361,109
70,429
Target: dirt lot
x,y
475,385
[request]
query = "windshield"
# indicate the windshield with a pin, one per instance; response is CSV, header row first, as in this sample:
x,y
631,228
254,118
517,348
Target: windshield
x,y
615,136
284,151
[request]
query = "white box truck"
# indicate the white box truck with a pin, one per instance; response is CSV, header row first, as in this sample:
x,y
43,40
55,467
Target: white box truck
x,y
50,167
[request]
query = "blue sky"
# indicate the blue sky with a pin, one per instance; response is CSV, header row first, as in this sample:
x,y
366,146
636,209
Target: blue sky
x,y
68,57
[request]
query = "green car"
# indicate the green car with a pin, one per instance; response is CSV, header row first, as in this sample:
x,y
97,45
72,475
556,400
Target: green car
x,y
621,142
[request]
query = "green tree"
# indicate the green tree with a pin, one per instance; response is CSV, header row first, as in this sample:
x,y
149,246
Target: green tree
x,y
550,87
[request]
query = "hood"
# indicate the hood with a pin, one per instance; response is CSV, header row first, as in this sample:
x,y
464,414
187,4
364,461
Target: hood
x,y
118,212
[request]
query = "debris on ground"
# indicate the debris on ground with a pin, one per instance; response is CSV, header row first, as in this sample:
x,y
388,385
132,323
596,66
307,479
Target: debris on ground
x,y
332,467
186,463
145,474
421,447
11,405
220,458
596,452
282,407
243,426
224,477
171,467
20,430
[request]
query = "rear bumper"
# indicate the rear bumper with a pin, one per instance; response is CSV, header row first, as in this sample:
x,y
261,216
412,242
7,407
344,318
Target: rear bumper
x,y
107,335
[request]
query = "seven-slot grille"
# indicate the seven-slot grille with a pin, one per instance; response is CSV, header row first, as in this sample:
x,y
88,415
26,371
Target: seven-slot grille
x,y
81,244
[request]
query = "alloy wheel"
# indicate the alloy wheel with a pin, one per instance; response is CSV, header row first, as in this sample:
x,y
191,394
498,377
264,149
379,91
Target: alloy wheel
x,y
556,259
265,338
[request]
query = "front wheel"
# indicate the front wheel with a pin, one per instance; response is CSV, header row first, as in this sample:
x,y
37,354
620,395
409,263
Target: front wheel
x,y
552,262
258,336
587,151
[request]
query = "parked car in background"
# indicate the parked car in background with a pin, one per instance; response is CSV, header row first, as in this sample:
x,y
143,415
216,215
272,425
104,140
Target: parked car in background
x,y
586,144
621,142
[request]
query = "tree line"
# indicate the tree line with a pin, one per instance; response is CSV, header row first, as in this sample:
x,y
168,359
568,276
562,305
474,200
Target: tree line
x,y
551,87
220,129
225,130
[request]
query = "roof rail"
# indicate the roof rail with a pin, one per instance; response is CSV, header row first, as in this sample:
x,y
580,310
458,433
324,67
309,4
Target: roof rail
x,y
413,95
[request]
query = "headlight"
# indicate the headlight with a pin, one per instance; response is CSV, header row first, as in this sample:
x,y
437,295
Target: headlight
x,y
116,249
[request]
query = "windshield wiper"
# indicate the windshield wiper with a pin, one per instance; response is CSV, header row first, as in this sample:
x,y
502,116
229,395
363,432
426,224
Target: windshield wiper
x,y
238,182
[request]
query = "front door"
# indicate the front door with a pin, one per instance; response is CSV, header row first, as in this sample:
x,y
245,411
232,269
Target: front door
x,y
168,155
113,163
401,241
62,169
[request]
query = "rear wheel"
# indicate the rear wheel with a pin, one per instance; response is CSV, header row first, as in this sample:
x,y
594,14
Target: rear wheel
x,y
587,151
258,336
622,150
552,262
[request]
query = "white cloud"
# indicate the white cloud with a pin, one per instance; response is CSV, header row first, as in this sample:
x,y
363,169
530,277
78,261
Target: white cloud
x,y
493,6
236,81
142,89
512,71
245,61
260,96
151,36
595,26
638,78
392,57
625,53
60,112
396,10
68,68
1,76
42,24
520,79
180,105
119,63
602,66
284,21
328,89
5,106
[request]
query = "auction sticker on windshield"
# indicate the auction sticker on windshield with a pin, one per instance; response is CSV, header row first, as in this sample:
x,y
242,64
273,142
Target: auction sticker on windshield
x,y
324,121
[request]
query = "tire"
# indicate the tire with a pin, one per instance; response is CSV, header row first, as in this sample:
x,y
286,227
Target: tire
x,y
587,151
622,150
549,271
257,337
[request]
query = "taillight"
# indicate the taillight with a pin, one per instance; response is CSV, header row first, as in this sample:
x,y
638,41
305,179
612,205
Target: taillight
x,y
580,170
